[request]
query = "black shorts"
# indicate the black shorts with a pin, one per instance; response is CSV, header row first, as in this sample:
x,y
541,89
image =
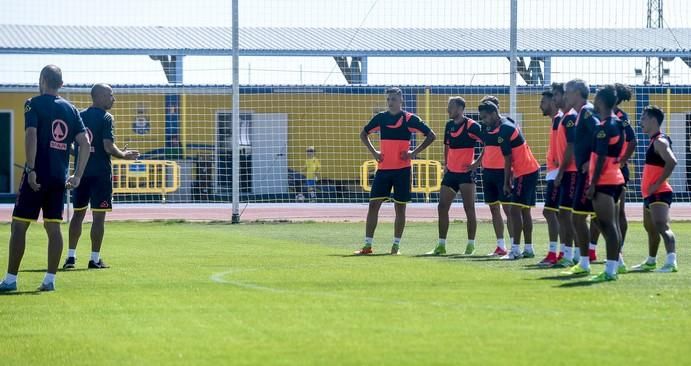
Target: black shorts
x,y
613,190
396,179
581,204
454,180
50,199
627,175
567,190
96,191
551,196
658,198
493,186
524,190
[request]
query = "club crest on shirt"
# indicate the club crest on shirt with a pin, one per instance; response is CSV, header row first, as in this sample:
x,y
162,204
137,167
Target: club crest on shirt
x,y
601,135
500,140
569,123
60,131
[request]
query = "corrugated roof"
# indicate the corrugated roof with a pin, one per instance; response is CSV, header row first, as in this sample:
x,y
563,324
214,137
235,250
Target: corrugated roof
x,y
343,41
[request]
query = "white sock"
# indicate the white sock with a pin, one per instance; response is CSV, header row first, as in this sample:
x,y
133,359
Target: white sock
x,y
396,241
501,244
576,253
442,242
49,278
95,257
529,247
471,241
511,241
10,278
72,253
671,258
621,260
651,260
592,246
563,247
553,246
611,267
516,248
368,241
584,262
568,253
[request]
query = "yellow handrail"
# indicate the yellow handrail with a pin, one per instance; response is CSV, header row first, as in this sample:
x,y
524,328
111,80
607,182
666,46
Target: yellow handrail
x,y
426,176
146,177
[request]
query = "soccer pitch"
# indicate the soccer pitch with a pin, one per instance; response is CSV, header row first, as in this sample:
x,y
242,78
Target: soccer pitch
x,y
182,293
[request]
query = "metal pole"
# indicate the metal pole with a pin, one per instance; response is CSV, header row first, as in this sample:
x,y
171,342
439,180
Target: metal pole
x,y
513,56
548,71
236,116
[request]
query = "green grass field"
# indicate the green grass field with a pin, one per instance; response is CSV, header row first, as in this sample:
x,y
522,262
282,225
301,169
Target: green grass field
x,y
288,294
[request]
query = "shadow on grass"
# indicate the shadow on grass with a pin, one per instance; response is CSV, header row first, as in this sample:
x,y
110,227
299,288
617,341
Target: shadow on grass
x,y
637,273
485,258
362,256
583,283
59,270
20,293
472,256
534,267
433,256
562,277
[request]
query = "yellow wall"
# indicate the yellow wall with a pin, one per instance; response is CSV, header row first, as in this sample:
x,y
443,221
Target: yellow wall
x,y
329,122
15,103
677,103
534,125
125,110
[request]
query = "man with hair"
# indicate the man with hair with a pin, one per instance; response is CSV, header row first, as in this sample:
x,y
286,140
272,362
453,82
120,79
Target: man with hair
x,y
624,93
606,181
551,195
566,178
657,192
519,172
576,93
461,135
96,188
396,128
51,125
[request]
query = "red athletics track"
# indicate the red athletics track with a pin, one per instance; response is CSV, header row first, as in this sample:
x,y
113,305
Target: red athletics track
x,y
419,212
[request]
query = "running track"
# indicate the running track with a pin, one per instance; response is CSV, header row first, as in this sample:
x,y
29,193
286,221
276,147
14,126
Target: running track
x,y
419,212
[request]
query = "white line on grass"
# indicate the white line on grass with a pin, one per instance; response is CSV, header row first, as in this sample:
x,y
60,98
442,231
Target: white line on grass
x,y
220,278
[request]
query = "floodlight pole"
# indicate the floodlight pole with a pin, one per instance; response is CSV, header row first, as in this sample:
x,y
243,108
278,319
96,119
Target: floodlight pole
x,y
236,116
513,57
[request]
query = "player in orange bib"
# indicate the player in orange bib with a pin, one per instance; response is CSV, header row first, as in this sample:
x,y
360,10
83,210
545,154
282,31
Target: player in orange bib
x,y
461,136
606,181
586,124
624,93
396,128
505,142
657,192
549,108
566,179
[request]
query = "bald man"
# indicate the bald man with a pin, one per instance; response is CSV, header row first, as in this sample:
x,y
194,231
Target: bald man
x,y
96,188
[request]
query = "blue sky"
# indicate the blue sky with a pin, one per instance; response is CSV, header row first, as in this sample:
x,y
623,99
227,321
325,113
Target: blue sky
x,y
331,13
